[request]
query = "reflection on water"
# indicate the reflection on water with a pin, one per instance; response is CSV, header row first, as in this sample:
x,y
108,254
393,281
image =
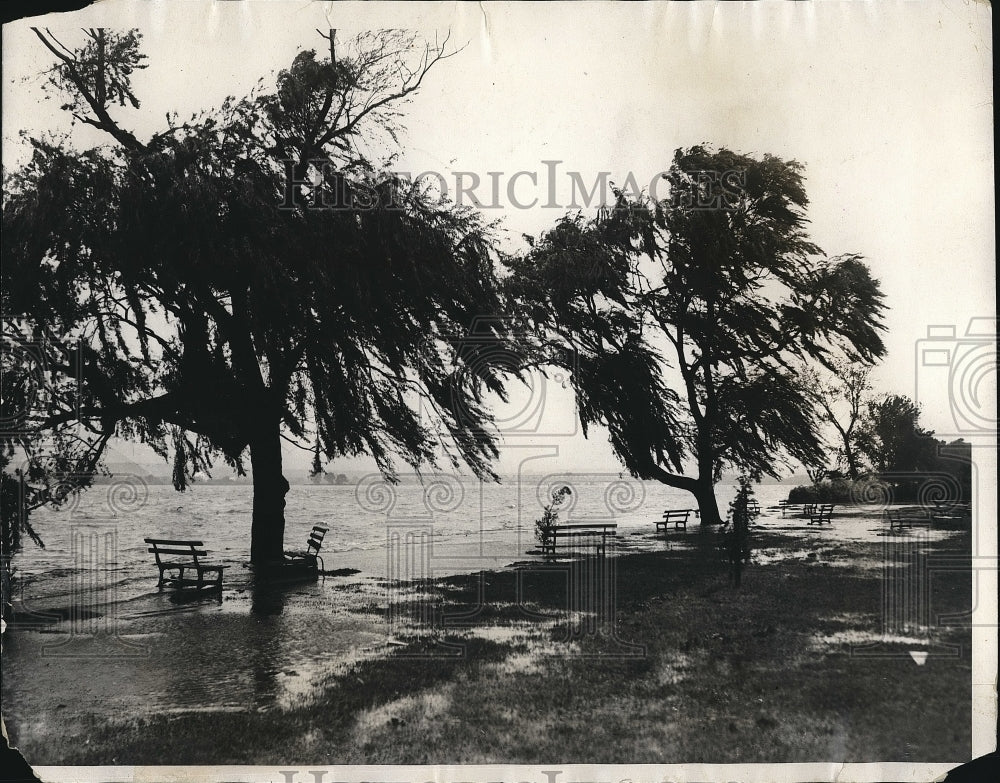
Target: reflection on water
x,y
194,596
267,599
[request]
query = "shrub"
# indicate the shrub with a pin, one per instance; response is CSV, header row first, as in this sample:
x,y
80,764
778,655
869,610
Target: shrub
x,y
550,514
842,490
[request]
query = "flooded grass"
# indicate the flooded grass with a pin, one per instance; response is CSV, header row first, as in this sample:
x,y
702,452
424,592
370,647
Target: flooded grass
x,y
509,667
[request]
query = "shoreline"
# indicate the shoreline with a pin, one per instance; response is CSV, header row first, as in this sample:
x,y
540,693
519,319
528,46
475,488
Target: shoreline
x,y
370,649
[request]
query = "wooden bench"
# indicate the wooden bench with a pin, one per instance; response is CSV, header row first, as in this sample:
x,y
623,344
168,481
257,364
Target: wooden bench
x,y
820,514
785,506
678,517
189,552
951,512
310,557
897,519
596,533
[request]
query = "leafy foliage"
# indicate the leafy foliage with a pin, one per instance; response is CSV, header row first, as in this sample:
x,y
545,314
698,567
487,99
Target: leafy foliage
x,y
213,305
892,439
841,396
690,315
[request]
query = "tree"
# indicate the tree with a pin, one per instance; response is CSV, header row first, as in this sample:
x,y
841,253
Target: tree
x,y
892,439
687,317
249,275
841,397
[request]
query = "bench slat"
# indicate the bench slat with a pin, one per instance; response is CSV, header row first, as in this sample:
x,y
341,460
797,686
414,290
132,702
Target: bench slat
x,y
566,533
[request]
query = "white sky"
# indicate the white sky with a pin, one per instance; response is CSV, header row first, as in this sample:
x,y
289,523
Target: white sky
x,y
888,105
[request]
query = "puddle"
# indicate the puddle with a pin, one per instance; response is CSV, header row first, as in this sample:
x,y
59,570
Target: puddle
x,y
857,638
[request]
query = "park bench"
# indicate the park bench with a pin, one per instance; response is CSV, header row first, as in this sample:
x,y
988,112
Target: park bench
x,y
821,513
310,557
945,511
184,558
808,509
898,519
678,517
785,507
588,533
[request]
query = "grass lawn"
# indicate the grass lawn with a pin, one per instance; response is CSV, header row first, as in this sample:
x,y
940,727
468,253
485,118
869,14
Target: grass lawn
x,y
765,673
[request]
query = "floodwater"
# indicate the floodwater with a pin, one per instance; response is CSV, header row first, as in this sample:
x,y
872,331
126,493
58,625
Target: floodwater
x,y
92,636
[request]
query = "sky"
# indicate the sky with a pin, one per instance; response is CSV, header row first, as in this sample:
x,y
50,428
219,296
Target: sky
x,y
888,106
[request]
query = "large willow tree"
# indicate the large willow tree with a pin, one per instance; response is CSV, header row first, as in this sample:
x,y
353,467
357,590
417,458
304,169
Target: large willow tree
x,y
691,317
249,275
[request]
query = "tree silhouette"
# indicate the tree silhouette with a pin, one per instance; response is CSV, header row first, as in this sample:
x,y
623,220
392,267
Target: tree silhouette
x,y
841,396
892,439
689,316
250,275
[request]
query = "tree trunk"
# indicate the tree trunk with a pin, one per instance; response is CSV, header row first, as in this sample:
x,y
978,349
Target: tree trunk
x,y
267,532
852,460
707,504
704,490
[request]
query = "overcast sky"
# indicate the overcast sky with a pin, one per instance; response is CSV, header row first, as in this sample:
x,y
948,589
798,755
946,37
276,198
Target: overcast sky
x,y
888,106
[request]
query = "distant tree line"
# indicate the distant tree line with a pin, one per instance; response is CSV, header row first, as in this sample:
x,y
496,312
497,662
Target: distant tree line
x,y
878,438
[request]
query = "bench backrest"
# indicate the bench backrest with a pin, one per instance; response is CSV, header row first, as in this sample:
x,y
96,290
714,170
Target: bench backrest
x,y
165,546
678,513
581,530
316,539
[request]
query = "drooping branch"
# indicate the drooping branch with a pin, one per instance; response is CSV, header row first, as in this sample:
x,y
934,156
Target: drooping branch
x,y
95,96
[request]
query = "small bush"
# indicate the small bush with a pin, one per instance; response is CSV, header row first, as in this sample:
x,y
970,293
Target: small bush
x,y
550,515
